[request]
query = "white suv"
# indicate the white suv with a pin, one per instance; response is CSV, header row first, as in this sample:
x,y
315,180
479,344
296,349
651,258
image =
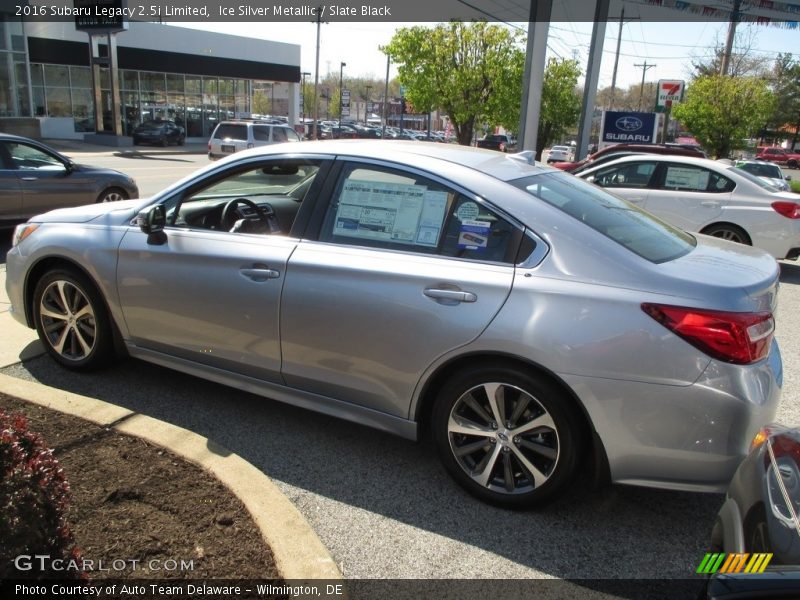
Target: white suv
x,y
233,136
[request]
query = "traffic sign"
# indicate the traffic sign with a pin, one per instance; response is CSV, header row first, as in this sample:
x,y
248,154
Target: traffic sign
x,y
670,90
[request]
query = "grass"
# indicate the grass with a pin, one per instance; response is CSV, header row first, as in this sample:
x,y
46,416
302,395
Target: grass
x,y
795,186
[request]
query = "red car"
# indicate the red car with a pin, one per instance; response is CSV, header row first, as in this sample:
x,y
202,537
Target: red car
x,y
620,150
779,155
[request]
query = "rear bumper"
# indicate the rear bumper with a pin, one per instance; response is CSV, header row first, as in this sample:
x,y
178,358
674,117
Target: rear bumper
x,y
689,438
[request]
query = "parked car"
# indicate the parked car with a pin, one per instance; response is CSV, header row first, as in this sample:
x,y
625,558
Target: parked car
x,y
707,196
498,141
537,326
619,150
759,522
778,155
234,136
769,172
160,132
559,154
35,178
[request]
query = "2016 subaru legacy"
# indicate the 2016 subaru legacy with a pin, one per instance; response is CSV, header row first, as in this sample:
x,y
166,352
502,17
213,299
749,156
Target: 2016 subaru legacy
x,y
531,322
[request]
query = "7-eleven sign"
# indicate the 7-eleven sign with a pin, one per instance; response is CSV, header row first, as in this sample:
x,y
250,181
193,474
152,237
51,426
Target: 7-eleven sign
x,y
669,91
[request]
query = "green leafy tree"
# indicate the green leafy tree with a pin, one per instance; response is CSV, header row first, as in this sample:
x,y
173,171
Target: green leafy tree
x,y
472,72
561,103
721,112
786,87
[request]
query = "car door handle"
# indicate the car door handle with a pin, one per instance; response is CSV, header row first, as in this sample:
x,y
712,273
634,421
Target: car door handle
x,y
29,178
259,273
710,204
636,199
449,297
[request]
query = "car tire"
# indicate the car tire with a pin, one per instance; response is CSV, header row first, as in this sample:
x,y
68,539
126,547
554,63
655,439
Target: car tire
x,y
164,142
181,140
72,320
112,194
524,462
792,164
730,232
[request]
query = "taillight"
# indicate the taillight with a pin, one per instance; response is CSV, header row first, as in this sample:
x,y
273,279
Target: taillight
x,y
738,338
790,210
502,147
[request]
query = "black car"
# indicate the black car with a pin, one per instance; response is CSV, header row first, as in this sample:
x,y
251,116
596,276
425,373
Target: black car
x,y
159,132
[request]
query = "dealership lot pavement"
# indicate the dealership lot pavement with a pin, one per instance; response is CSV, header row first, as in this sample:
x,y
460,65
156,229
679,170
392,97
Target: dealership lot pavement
x,y
385,508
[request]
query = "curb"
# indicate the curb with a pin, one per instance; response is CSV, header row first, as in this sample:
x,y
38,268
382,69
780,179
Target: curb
x,y
299,554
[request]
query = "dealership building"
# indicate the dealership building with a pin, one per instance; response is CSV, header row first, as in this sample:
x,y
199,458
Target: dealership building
x,y
195,78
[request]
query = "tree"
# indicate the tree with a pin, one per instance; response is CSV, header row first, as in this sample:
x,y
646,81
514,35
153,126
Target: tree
x,y
473,72
743,61
786,87
722,112
628,99
561,104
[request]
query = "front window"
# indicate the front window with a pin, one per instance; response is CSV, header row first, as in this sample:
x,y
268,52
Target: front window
x,y
638,231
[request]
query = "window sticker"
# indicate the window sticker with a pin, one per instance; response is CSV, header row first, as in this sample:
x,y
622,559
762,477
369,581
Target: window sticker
x,y
392,212
468,211
474,235
687,178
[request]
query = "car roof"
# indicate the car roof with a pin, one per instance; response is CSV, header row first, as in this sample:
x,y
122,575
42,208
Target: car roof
x,y
688,160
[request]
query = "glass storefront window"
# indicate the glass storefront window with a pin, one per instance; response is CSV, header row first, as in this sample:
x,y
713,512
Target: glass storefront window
x,y
83,109
193,85
129,80
56,76
81,77
152,82
58,102
174,83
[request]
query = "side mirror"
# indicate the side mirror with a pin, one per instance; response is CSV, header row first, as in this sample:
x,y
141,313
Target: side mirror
x,y
788,178
152,219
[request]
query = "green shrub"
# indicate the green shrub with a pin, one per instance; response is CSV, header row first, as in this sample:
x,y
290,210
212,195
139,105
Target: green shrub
x,y
34,496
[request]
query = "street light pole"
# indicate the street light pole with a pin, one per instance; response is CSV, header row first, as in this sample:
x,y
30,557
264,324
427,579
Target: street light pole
x,y
341,89
366,103
304,74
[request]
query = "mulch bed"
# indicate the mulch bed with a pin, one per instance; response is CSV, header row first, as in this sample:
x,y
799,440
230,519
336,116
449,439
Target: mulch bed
x,y
144,512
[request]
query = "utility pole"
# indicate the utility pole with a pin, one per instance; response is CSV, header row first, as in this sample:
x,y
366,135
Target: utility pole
x,y
316,77
622,21
366,103
644,68
726,56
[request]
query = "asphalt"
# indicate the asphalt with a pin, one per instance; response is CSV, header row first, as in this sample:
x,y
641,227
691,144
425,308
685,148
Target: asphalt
x,y
299,553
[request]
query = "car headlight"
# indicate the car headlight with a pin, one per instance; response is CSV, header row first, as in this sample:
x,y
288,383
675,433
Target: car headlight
x,y
23,231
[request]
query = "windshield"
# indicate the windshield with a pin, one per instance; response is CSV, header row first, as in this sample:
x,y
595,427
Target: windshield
x,y
637,230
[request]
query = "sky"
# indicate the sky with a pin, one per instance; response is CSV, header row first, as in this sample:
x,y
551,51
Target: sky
x,y
671,47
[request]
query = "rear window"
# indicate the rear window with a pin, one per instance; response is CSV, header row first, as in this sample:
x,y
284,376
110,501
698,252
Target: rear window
x,y
230,131
638,231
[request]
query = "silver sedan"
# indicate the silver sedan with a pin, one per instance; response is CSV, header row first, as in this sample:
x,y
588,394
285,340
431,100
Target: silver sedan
x,y
535,326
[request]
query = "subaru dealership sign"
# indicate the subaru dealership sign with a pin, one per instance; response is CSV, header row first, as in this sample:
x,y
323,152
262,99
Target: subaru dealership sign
x,y
628,127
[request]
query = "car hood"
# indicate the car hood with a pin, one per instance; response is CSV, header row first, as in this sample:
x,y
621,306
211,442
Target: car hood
x,y
111,213
99,171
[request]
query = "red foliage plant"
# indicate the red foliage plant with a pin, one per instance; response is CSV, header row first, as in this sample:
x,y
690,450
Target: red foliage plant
x,y
34,496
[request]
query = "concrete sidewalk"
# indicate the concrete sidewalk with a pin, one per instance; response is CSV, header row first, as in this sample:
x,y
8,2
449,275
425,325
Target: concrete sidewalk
x,y
299,553
79,147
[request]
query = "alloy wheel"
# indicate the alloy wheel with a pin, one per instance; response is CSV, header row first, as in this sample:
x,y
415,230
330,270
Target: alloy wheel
x,y
503,438
68,320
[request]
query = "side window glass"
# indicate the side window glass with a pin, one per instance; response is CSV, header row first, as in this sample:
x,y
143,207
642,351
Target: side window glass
x,y
28,158
260,133
292,135
278,134
384,208
695,179
631,175
260,200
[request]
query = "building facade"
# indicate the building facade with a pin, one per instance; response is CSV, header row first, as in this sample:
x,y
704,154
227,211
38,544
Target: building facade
x,y
195,78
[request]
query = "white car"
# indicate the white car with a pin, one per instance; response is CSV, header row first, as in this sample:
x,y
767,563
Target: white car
x,y
769,172
234,136
706,196
559,154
